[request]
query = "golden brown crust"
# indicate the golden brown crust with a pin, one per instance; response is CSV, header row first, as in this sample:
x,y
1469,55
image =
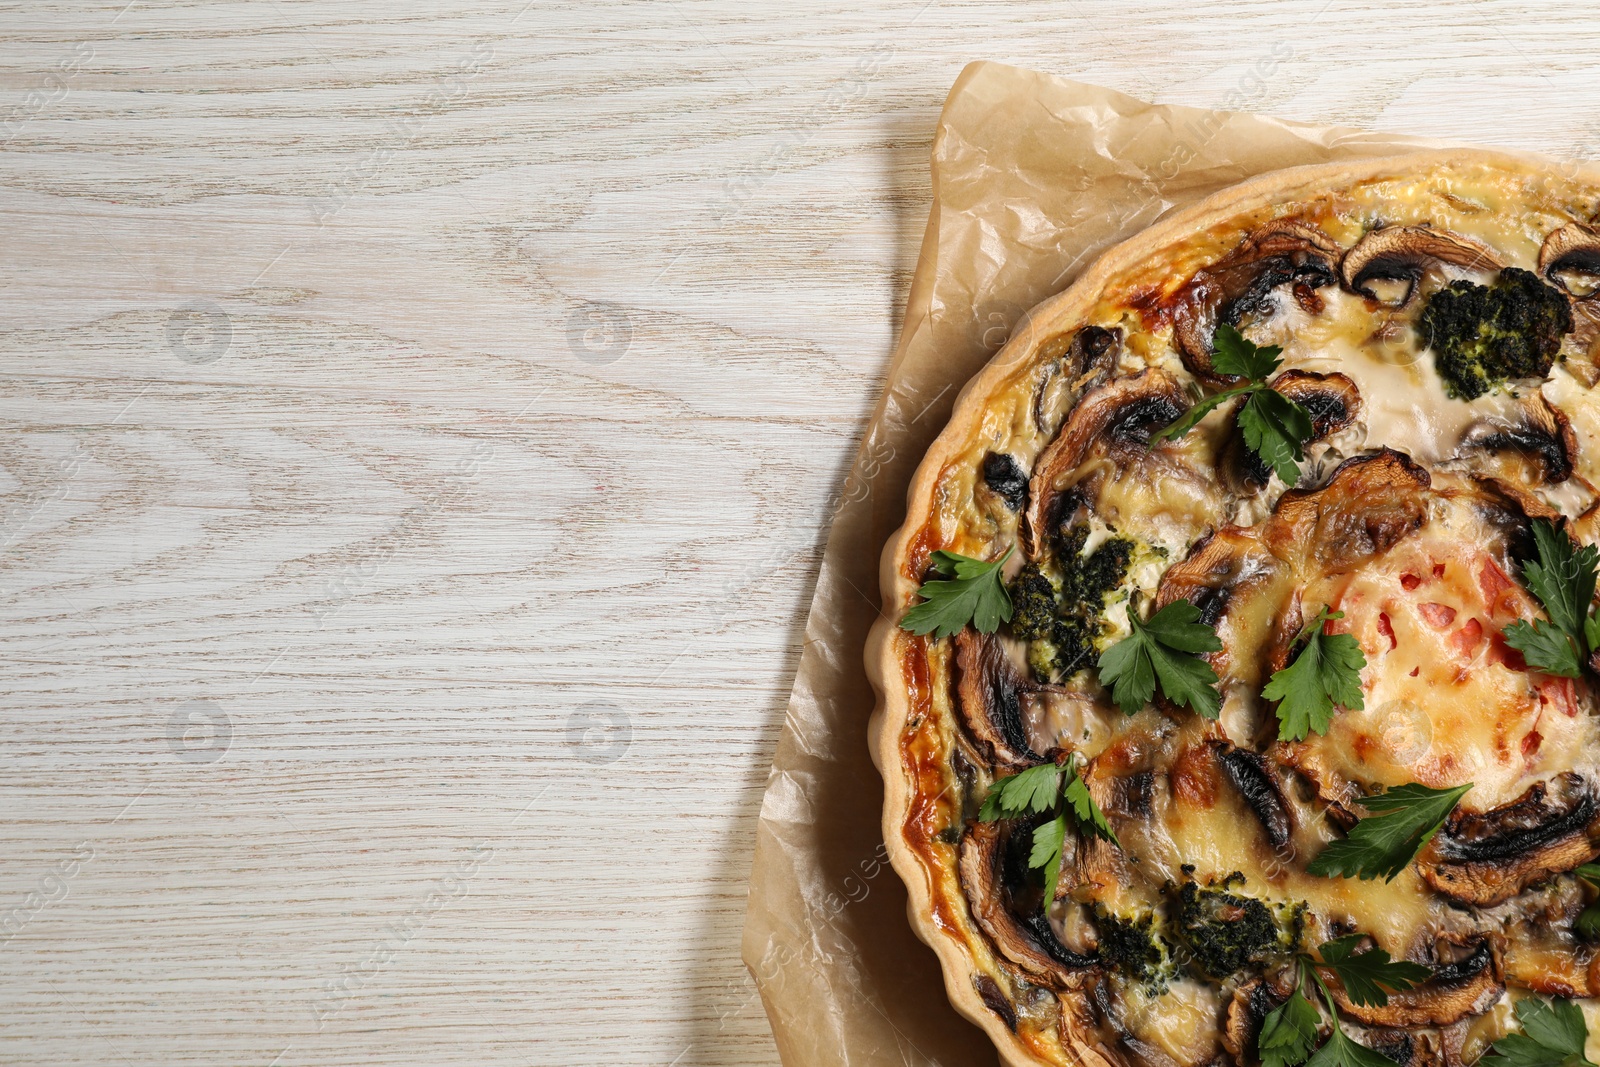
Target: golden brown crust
x,y
906,736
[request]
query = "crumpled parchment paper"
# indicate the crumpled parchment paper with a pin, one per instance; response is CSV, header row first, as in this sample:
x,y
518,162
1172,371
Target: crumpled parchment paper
x,y
1033,176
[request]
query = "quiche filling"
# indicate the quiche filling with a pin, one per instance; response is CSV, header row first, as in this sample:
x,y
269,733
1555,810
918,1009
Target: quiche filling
x,y
1285,743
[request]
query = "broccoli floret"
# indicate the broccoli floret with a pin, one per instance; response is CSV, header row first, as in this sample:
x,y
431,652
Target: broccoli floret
x,y
1060,620
1089,579
1227,932
1033,604
1130,945
1483,334
1054,641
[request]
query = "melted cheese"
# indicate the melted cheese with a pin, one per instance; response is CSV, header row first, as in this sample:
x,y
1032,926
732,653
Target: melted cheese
x,y
1447,701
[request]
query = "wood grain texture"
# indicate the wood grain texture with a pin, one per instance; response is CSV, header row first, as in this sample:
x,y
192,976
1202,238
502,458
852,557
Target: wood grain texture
x,y
419,426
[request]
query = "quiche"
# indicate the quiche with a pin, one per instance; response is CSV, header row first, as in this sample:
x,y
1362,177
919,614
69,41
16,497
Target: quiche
x,y
1237,672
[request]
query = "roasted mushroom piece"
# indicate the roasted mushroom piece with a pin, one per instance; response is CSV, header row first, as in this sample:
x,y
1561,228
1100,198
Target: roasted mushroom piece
x,y
1089,360
990,696
1006,479
1486,858
1403,253
1570,260
994,876
1469,985
1249,774
1538,451
1244,282
1118,418
1252,1002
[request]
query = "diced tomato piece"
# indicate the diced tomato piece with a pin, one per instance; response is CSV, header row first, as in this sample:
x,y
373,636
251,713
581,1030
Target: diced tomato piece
x,y
1438,570
1504,654
1468,638
1492,580
1531,742
1409,581
1560,694
1439,616
1386,628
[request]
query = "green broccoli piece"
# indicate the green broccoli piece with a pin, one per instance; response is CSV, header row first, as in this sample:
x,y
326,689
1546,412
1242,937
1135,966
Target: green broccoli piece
x,y
1061,618
1227,932
1089,578
1482,335
1033,604
1131,945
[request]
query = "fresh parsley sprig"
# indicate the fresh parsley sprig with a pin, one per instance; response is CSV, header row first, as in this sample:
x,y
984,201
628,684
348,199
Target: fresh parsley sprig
x,y
1056,790
1274,427
1161,649
1553,1035
1563,578
973,592
1289,1032
1327,672
1367,975
1384,844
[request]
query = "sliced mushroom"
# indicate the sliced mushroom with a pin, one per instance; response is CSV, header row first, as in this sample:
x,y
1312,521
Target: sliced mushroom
x,y
1466,986
1403,253
994,998
1486,858
1541,951
1538,451
1332,401
1238,585
1006,479
1368,505
993,871
1570,260
1283,252
1252,1002
1117,417
1249,774
990,693
1090,358
1159,1028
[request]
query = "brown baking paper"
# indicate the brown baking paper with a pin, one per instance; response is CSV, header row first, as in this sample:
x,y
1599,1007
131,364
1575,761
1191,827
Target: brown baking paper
x,y
1033,176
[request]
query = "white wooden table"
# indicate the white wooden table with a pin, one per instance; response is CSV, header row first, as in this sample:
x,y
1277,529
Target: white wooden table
x,y
418,428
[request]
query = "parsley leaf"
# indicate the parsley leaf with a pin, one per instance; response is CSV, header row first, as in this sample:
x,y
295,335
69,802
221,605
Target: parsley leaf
x,y
1289,1032
1326,672
1236,354
1383,845
1553,1035
1563,578
1342,1051
1587,924
1090,818
1047,789
1274,427
1545,647
1049,838
1365,975
1028,792
1159,650
1198,411
976,595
